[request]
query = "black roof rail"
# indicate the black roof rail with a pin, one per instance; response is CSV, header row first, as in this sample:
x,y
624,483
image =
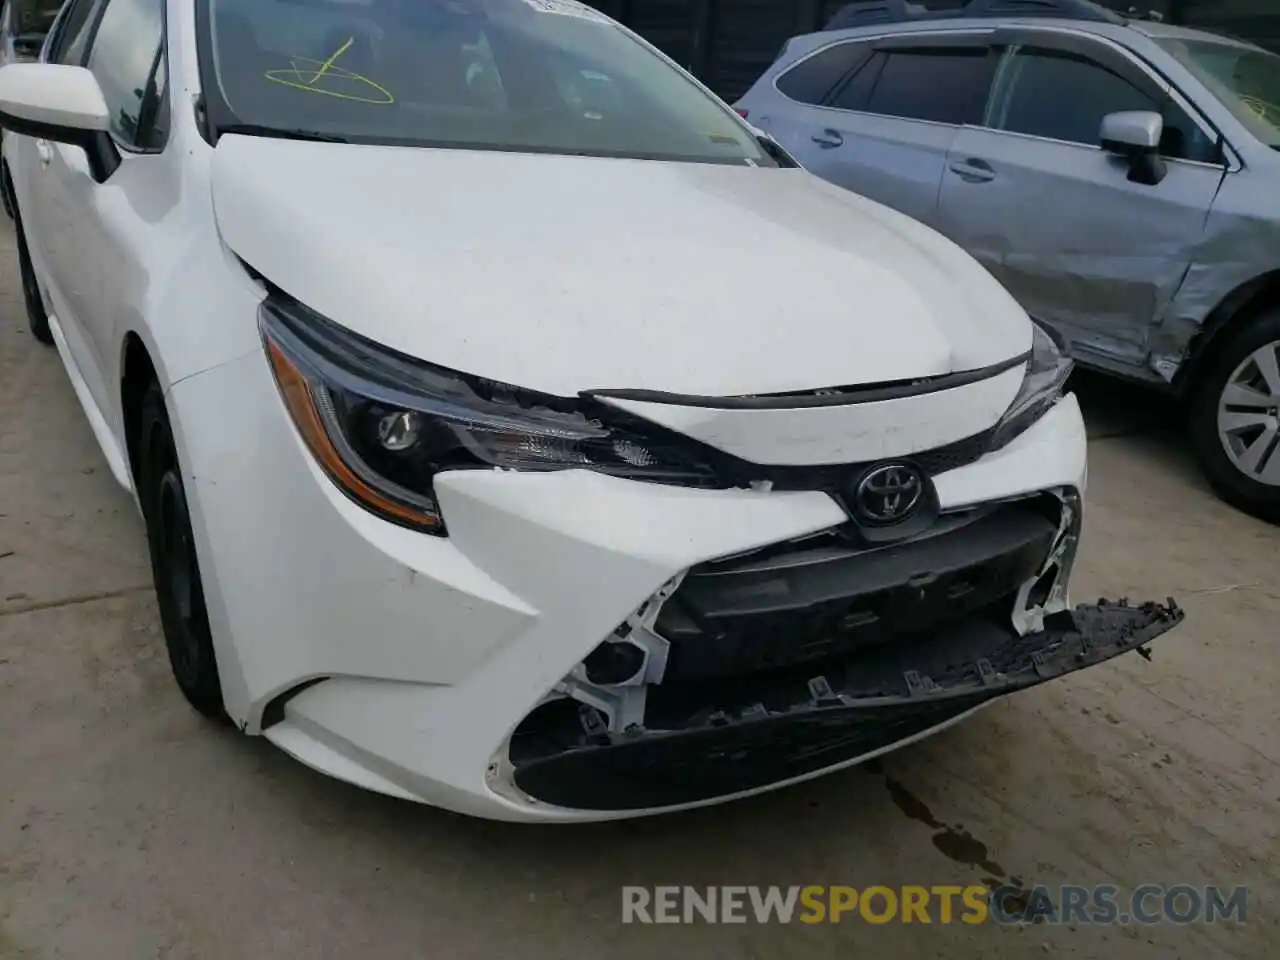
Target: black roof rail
x,y
862,13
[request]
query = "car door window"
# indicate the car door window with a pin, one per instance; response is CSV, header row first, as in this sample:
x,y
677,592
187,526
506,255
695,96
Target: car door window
x,y
856,92
810,80
1064,96
942,84
73,32
127,57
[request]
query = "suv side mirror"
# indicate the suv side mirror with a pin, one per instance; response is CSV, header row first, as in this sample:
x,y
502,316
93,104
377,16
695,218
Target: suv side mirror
x,y
52,101
1135,135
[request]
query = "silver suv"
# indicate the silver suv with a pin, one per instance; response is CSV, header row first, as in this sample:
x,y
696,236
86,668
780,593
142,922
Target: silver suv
x,y
1120,177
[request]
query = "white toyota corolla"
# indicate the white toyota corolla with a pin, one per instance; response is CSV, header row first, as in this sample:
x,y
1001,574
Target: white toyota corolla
x,y
517,430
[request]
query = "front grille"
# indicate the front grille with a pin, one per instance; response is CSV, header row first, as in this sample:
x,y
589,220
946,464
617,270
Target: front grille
x,y
685,767
833,477
826,597
713,738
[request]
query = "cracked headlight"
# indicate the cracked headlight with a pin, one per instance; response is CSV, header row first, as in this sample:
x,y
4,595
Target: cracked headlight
x,y
1047,373
382,424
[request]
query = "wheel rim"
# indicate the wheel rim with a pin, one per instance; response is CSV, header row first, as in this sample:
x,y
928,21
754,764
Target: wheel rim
x,y
180,594
1249,415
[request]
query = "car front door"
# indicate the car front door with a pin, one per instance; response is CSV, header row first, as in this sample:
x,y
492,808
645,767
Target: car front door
x,y
1058,220
42,172
89,261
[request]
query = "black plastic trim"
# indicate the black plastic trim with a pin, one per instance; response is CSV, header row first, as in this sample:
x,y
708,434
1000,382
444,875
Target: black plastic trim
x,y
759,612
99,147
703,742
821,397
273,712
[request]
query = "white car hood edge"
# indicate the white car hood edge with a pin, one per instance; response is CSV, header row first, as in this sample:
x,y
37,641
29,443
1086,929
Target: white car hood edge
x,y
568,274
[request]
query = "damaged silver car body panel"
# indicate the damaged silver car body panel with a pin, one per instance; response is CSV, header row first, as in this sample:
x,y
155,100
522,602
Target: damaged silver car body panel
x,y
1133,273
1235,258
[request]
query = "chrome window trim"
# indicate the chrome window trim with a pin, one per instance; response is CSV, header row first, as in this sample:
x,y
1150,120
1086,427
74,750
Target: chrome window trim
x,y
1093,147
1181,99
1233,156
869,38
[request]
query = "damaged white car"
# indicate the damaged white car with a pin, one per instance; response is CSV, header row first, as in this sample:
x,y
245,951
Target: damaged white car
x,y
486,454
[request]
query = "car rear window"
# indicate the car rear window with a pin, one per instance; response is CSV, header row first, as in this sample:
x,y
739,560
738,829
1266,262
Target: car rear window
x,y
814,77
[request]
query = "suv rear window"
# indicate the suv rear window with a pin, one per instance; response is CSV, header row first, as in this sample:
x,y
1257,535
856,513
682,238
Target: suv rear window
x,y
946,85
810,80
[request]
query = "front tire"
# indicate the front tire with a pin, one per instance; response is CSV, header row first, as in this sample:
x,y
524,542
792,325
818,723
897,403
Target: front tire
x,y
37,316
1235,418
174,566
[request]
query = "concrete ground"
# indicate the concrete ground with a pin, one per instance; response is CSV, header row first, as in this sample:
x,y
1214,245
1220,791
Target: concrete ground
x,y
131,829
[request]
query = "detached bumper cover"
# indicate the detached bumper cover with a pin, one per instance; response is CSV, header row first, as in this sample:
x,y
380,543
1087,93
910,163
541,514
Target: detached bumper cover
x,y
787,725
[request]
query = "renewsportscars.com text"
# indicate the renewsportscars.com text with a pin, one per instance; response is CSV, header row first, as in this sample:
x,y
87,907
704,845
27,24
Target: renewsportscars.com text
x,y
940,904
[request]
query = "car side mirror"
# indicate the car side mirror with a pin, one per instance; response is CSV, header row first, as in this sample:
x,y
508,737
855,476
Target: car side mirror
x,y
1135,135
53,101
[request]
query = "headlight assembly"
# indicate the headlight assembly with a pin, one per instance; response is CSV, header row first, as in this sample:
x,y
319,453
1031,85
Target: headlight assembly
x,y
1047,373
382,425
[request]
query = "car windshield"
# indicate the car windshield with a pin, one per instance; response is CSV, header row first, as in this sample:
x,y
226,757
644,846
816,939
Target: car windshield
x,y
550,76
1245,79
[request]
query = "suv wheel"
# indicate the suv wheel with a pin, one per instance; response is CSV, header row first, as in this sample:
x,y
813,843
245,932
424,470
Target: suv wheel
x,y
1235,418
174,568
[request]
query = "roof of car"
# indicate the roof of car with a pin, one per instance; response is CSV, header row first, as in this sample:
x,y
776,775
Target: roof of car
x,y
1115,31
1169,31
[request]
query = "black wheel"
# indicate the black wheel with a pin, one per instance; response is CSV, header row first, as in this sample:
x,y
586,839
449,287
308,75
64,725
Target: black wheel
x,y
37,318
6,193
1235,417
174,567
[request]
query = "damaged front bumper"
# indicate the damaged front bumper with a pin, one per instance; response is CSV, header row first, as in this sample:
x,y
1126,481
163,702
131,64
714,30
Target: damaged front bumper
x,y
707,739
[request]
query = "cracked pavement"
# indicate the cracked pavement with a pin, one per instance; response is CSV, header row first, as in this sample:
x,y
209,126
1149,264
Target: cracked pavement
x,y
131,829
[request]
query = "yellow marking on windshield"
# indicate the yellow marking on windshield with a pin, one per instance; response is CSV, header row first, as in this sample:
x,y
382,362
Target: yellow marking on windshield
x,y
324,67
339,83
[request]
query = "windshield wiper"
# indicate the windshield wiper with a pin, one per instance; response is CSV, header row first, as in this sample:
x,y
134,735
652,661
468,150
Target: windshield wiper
x,y
282,133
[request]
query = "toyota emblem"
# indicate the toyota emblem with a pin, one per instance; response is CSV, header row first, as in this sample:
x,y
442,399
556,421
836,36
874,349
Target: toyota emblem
x,y
888,493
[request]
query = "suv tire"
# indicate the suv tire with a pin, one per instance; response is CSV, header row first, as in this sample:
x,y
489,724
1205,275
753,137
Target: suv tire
x,y
1235,417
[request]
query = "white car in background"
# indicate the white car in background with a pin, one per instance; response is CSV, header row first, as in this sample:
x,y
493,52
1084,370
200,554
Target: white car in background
x,y
487,455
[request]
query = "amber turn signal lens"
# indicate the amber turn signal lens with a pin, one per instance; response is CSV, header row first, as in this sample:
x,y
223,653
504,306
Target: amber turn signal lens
x,y
301,404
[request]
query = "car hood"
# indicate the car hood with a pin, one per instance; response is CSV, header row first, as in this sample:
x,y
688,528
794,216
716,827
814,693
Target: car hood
x,y
564,274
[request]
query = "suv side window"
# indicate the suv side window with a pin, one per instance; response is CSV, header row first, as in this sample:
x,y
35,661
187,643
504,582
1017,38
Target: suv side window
x,y
856,92
1064,96
127,56
942,84
73,33
810,80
